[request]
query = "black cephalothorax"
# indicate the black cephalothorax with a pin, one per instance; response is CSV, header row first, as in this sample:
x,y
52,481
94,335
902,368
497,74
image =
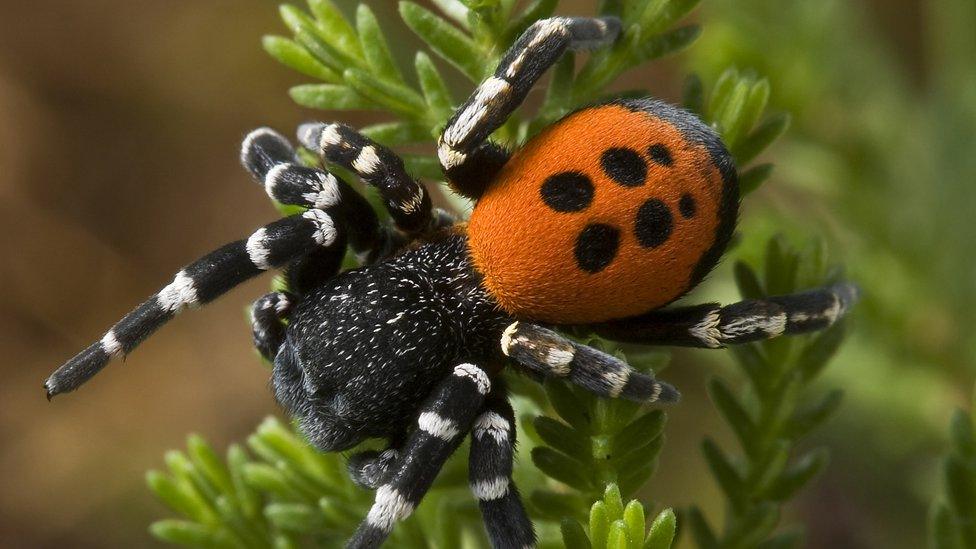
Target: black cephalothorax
x,y
362,349
408,347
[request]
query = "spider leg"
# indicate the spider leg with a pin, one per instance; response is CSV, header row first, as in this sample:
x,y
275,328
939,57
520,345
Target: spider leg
x,y
202,281
369,468
442,422
267,328
490,469
549,354
468,159
272,162
406,199
714,326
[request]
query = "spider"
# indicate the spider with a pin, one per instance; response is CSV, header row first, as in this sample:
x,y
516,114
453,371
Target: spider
x,y
596,223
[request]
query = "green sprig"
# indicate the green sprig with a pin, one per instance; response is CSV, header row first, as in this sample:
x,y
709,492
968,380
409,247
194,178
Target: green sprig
x,y
589,442
612,525
770,413
952,518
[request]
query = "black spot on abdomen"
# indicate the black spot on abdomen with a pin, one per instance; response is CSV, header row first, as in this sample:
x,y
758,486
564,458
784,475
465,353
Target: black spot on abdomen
x,y
625,166
687,206
660,154
596,246
654,223
567,192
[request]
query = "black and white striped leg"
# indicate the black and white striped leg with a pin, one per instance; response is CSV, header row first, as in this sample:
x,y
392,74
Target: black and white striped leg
x,y
539,47
368,469
267,327
549,354
490,469
202,281
443,421
272,162
714,326
406,198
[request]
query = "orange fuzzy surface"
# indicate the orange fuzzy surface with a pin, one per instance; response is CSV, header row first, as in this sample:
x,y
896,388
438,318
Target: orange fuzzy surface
x,y
525,250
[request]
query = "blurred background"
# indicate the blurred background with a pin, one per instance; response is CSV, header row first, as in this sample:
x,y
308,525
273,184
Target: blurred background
x,y
119,130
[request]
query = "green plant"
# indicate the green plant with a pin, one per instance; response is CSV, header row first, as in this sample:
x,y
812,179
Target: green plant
x,y
771,412
884,106
586,453
280,491
615,526
952,518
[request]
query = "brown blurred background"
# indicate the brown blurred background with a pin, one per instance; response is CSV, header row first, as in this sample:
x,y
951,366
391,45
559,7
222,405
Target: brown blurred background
x,y
119,129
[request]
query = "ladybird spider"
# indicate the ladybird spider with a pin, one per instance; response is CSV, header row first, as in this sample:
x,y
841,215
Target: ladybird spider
x,y
599,221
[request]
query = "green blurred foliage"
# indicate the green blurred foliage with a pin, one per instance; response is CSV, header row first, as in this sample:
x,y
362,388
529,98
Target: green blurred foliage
x,y
879,160
952,517
771,413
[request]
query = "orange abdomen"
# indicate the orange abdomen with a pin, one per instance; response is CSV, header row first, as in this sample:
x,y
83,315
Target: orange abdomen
x,y
613,211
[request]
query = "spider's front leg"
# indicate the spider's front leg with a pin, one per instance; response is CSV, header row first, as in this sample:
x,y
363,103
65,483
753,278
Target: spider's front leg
x,y
469,160
273,164
405,198
443,421
202,281
546,353
311,244
713,326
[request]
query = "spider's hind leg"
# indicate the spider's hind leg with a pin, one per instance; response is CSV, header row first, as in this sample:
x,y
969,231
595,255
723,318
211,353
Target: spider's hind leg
x,y
714,326
443,420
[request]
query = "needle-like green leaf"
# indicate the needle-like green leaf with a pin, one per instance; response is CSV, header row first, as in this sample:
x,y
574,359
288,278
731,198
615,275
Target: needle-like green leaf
x,y
373,44
444,39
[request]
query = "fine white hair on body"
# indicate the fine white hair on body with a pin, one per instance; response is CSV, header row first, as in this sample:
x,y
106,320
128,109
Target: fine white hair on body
x,y
273,177
491,90
560,359
328,193
414,202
